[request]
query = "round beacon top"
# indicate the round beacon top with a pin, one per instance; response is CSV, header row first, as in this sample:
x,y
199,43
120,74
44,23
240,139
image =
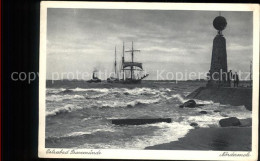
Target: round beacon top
x,y
220,23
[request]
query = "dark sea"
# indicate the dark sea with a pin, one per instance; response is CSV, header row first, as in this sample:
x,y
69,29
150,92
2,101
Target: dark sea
x,y
78,114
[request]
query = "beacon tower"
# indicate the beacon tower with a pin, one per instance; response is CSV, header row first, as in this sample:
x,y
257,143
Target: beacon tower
x,y
218,67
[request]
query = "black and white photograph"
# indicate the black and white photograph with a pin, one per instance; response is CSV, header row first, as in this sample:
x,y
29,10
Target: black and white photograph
x,y
150,81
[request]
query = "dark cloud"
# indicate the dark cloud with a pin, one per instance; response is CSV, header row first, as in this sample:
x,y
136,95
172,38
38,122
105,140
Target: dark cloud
x,y
82,39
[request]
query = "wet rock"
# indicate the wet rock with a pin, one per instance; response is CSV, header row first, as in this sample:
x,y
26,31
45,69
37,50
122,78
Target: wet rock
x,y
203,112
140,121
190,104
217,111
246,122
232,121
194,124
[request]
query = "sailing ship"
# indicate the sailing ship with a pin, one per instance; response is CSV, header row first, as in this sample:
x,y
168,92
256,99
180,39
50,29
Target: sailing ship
x,y
131,71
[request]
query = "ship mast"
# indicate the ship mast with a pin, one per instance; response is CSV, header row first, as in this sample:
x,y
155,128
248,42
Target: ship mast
x,y
123,60
132,53
115,63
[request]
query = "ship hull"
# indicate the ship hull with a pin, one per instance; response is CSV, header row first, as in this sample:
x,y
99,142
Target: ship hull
x,y
133,81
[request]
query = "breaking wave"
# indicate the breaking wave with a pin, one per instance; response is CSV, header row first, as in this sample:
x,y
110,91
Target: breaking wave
x,y
95,96
180,98
64,109
58,98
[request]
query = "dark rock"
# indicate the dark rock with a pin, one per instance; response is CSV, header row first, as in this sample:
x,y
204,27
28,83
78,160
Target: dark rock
x,y
232,121
203,112
194,124
181,106
217,111
140,121
190,104
198,105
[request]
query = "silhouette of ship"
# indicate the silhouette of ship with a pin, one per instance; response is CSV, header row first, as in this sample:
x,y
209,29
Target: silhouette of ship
x,y
130,71
94,79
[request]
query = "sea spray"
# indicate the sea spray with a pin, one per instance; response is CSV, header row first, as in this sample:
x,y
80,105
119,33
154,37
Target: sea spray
x,y
179,97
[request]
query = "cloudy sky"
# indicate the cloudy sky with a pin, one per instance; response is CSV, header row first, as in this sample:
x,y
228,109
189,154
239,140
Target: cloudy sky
x,y
82,40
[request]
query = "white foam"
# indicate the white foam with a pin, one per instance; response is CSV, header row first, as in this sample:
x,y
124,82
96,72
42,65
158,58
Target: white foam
x,y
168,132
165,96
212,118
203,101
204,120
73,134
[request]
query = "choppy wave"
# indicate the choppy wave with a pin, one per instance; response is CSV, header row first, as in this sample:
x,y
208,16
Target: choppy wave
x,y
64,109
58,98
95,96
102,90
114,104
54,90
95,93
102,104
80,134
134,91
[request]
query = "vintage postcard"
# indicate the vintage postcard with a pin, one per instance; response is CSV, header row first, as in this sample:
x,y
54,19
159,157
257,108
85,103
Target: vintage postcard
x,y
149,81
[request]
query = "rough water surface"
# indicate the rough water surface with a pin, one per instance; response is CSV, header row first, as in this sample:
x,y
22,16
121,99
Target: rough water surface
x,y
78,114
